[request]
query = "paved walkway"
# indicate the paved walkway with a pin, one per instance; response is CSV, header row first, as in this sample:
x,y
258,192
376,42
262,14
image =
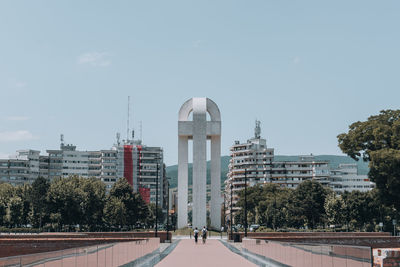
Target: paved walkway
x,y
213,253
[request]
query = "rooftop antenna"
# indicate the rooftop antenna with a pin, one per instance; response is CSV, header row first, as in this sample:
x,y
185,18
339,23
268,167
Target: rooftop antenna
x,y
140,130
257,130
118,138
127,121
62,141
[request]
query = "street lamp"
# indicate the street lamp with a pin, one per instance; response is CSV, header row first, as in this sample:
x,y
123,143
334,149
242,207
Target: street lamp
x,y
245,202
168,213
158,167
231,210
224,211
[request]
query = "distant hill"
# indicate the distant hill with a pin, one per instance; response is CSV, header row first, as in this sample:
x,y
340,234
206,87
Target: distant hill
x,y
334,161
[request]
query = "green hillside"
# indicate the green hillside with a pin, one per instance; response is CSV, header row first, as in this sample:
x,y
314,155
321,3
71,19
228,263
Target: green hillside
x,y
334,161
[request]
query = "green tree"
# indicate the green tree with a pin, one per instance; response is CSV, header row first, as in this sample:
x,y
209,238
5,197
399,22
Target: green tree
x,y
6,193
151,218
136,209
309,200
272,210
24,192
357,209
334,208
39,205
93,196
377,140
65,199
14,211
115,213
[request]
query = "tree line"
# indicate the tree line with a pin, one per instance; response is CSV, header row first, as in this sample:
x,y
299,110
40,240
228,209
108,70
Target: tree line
x,y
312,206
66,204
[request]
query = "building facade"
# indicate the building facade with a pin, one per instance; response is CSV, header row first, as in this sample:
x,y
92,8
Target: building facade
x,y
21,168
141,165
346,178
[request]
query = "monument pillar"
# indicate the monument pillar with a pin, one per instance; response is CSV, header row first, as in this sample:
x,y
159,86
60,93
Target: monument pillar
x,y
182,181
199,130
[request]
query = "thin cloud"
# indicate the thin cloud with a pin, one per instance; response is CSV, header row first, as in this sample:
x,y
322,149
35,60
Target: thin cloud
x,y
20,84
296,60
197,43
17,118
4,155
16,136
96,59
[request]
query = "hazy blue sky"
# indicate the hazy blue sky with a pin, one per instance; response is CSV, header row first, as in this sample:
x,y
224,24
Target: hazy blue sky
x,y
306,69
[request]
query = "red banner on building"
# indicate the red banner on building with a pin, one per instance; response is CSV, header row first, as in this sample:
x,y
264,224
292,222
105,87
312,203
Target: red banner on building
x,y
145,193
128,164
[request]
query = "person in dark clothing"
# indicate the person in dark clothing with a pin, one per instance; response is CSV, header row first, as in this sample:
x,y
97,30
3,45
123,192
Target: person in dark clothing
x,y
204,234
196,235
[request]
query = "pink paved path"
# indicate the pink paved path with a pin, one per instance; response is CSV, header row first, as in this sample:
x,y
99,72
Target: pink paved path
x,y
213,253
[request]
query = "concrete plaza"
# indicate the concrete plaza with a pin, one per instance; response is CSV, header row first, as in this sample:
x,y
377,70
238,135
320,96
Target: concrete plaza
x,y
213,253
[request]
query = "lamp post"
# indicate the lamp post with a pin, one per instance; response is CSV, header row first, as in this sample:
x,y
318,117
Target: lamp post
x,y
156,231
231,210
168,214
224,211
245,202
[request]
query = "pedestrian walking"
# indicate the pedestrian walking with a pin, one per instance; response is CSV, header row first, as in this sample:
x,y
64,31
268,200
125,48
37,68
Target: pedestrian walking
x,y
196,235
204,234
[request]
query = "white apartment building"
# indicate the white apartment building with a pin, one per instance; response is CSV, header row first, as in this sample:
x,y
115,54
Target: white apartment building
x,y
346,178
68,161
21,168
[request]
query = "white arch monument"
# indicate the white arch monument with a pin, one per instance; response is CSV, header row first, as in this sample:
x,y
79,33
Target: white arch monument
x,y
199,130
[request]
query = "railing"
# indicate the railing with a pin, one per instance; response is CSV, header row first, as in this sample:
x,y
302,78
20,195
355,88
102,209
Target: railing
x,y
310,255
104,255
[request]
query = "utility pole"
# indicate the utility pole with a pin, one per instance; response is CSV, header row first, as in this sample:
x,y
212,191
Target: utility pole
x,y
156,232
245,202
224,211
168,213
231,210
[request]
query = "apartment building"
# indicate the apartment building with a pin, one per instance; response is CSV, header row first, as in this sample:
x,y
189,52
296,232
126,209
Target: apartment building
x,y
21,168
346,178
143,167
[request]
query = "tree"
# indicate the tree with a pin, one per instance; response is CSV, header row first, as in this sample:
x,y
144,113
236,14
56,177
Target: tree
x,y
65,198
6,193
93,194
272,210
151,218
24,192
377,140
334,208
136,209
14,211
309,200
37,198
115,213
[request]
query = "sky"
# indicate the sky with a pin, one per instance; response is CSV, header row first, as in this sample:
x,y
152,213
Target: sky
x,y
305,69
